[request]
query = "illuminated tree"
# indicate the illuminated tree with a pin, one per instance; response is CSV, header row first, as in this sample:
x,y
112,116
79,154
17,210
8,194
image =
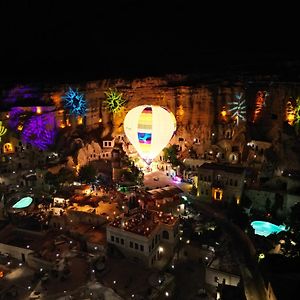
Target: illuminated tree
x,y
75,102
114,101
238,108
170,154
297,115
2,130
39,131
56,99
290,112
223,114
260,102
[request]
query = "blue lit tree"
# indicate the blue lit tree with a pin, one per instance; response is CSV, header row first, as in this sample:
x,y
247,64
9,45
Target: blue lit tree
x,y
75,102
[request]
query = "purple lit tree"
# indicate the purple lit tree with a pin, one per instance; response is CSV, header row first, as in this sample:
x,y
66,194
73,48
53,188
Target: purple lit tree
x,y
39,131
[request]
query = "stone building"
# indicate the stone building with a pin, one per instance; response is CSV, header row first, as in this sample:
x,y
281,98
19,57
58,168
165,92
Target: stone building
x,y
92,151
279,193
220,182
145,236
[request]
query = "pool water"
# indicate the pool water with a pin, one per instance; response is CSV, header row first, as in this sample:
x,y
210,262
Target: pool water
x,y
266,228
23,203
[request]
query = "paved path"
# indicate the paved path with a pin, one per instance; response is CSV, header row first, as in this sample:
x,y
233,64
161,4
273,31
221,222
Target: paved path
x,y
163,181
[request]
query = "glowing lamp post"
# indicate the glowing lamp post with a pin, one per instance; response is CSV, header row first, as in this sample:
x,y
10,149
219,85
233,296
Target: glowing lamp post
x,y
261,256
149,128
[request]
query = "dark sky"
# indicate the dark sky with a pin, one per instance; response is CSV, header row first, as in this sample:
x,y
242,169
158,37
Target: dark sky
x,y
63,40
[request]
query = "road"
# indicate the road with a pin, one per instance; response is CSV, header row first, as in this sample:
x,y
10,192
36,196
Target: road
x,y
163,181
244,253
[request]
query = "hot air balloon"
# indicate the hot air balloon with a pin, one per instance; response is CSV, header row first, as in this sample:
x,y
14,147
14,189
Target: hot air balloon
x,y
149,128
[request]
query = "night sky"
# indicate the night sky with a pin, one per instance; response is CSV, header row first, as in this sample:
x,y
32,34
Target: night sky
x,y
66,41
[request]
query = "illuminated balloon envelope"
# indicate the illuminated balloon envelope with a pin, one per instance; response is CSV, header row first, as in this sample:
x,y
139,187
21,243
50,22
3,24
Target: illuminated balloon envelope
x,y
149,128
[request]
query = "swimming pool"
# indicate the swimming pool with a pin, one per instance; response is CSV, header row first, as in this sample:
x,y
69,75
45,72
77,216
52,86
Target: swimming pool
x,y
23,203
266,228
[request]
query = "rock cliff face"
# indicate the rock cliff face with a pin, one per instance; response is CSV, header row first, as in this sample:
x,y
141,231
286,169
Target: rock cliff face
x,y
192,105
197,108
89,153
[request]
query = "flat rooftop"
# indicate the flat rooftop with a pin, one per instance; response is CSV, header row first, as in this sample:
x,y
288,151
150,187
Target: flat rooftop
x,y
165,192
143,222
18,238
108,210
44,245
92,234
222,167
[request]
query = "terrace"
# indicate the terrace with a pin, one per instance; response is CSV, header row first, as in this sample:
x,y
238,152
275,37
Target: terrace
x,y
144,222
104,209
22,239
166,192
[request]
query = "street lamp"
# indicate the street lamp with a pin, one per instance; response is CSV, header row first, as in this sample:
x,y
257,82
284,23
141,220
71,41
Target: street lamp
x,y
261,256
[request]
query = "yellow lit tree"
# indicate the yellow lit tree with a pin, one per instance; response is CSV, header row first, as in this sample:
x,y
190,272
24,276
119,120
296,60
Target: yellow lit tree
x,y
290,112
259,104
297,115
2,130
